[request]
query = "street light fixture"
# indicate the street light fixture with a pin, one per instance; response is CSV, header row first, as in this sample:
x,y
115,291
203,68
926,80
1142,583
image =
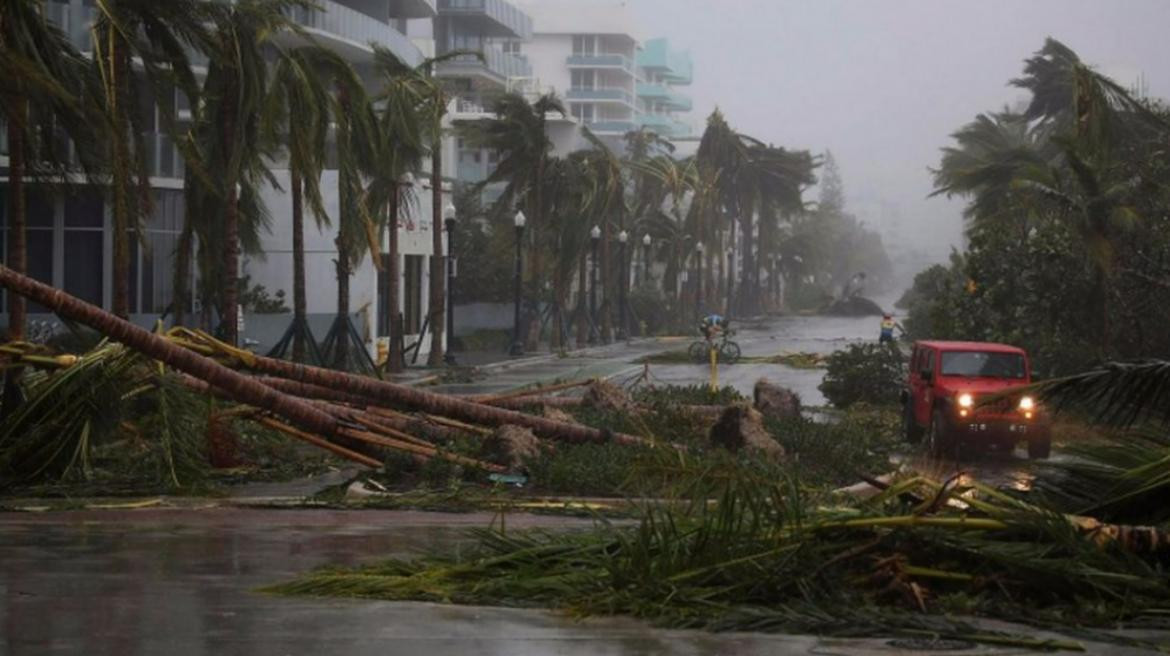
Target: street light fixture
x,y
646,259
623,327
594,237
449,224
517,345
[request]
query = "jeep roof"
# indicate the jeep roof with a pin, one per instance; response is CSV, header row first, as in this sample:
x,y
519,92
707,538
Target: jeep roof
x,y
989,347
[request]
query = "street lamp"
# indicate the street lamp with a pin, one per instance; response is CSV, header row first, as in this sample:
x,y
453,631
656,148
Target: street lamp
x,y
449,224
517,344
594,237
646,259
623,332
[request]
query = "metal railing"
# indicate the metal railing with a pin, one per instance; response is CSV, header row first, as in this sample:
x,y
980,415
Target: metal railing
x,y
580,93
353,25
504,14
602,60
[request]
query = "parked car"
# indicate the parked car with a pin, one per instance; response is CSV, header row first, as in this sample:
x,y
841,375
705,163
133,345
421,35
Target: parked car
x,y
959,395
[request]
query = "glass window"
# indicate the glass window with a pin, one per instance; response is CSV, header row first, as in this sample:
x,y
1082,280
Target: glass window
x,y
413,295
584,44
84,211
983,364
928,361
582,79
83,265
40,261
39,210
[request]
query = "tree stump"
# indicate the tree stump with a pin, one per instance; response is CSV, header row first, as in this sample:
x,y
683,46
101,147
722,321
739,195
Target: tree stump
x,y
776,402
741,427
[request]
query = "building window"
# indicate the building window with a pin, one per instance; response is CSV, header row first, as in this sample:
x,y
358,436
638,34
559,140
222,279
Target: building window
x,y
412,297
583,79
584,44
152,262
583,112
84,261
511,48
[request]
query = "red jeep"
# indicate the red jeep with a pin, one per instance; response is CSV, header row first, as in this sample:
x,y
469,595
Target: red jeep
x,y
947,399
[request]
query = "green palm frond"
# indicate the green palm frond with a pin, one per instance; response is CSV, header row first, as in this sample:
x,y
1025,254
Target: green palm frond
x,y
1120,393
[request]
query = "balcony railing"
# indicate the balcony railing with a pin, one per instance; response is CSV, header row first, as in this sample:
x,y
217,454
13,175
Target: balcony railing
x,y
618,61
351,25
495,17
611,127
601,95
495,60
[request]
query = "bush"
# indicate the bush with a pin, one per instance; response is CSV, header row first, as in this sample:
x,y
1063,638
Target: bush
x,y
869,373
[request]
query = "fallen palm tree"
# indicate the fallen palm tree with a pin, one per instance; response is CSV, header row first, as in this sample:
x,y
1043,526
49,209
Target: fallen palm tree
x,y
333,410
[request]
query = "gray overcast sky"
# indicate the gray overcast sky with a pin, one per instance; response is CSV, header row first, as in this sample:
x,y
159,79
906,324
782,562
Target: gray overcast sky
x,y
882,83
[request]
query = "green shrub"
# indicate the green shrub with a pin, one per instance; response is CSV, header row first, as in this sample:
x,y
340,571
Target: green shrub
x,y
870,373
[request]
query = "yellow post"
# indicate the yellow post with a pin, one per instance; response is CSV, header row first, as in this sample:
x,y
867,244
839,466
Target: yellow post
x,y
714,369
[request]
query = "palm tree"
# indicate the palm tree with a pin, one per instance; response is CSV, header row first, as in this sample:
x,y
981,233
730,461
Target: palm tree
x,y
518,134
233,145
156,36
41,92
398,140
298,111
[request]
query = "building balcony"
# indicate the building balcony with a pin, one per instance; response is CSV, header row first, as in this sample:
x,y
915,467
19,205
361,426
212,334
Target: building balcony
x,y
663,94
610,61
354,30
610,95
656,55
489,18
611,127
413,9
497,66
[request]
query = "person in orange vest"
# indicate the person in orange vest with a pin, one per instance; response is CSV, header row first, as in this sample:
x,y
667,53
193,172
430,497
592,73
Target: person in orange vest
x,y
888,326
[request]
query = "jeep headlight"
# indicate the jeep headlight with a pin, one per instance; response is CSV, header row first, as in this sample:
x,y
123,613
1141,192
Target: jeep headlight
x,y
966,400
1027,403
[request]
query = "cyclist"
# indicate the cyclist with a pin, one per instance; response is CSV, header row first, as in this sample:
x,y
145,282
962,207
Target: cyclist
x,y
712,325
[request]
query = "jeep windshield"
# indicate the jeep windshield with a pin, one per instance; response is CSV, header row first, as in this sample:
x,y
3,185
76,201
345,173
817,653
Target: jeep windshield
x,y
982,364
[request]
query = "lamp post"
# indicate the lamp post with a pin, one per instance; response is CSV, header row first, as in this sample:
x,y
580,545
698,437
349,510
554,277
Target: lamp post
x,y
647,241
623,331
699,279
594,238
517,343
730,278
449,224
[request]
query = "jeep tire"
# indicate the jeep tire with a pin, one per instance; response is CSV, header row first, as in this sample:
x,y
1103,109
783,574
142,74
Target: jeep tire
x,y
910,429
938,439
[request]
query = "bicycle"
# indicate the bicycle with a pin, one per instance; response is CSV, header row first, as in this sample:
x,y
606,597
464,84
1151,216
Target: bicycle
x,y
726,350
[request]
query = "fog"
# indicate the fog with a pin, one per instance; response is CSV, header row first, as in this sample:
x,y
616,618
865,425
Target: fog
x,y
883,83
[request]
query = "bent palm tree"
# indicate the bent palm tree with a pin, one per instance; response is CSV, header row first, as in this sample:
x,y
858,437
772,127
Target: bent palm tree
x,y
41,91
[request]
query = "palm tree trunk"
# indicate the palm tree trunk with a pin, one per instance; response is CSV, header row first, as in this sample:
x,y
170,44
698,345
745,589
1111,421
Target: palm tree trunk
x,y
300,303
17,221
238,386
182,274
341,355
606,289
438,308
231,235
396,358
231,268
748,290
116,92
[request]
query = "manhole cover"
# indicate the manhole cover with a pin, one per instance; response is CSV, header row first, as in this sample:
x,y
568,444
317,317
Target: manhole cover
x,y
931,644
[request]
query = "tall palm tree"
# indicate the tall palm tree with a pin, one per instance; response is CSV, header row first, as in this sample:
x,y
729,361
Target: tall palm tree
x,y
298,113
41,91
232,143
518,134
399,147
140,47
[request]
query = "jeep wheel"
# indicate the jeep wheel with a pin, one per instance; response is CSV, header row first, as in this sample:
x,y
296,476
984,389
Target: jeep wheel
x,y
911,430
937,439
1040,447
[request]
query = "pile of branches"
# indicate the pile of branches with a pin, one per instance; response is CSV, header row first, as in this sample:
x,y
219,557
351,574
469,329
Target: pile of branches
x,y
73,400
767,556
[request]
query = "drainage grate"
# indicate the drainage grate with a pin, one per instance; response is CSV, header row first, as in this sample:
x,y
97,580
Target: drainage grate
x,y
931,644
